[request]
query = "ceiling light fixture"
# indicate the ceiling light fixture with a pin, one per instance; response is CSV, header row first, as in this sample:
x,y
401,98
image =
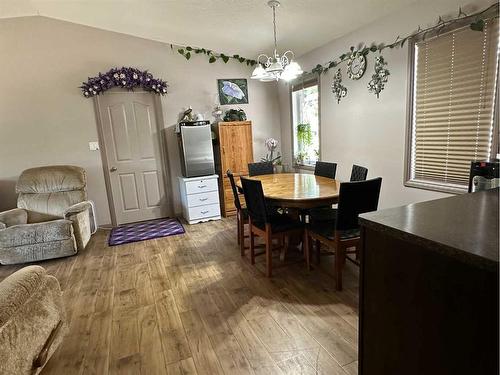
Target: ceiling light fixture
x,y
276,67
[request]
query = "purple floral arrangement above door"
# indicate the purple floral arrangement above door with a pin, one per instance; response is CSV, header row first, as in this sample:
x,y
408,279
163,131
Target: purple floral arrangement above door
x,y
127,78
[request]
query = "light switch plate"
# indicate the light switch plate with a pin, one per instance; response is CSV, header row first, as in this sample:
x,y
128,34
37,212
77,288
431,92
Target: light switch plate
x,y
93,146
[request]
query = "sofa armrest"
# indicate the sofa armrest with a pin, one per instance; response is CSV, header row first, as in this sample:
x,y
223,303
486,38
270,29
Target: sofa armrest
x,y
12,217
80,216
32,320
77,208
17,288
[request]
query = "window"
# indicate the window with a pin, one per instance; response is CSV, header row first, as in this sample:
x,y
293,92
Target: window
x,y
452,120
305,122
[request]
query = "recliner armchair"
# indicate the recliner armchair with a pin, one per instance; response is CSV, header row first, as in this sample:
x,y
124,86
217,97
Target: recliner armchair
x,y
53,218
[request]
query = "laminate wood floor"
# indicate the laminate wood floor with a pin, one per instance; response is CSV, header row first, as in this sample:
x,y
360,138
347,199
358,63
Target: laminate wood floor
x,y
189,304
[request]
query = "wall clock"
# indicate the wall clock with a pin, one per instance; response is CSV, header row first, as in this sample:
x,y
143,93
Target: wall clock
x,y
356,66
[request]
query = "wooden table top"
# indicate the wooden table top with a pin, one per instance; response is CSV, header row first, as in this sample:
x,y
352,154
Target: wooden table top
x,y
298,190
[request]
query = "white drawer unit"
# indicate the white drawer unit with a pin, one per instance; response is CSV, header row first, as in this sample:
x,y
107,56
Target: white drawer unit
x,y
200,198
203,199
201,185
203,212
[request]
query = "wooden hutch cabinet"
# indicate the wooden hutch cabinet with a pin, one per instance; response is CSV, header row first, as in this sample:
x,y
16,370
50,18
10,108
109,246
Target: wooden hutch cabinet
x,y
233,150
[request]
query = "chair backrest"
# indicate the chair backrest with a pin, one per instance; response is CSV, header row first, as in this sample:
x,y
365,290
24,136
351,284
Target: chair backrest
x,y
265,167
325,169
51,190
236,196
254,198
356,198
358,173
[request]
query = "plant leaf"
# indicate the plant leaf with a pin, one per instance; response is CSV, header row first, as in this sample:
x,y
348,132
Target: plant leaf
x,y
189,48
181,51
477,26
225,58
212,59
187,55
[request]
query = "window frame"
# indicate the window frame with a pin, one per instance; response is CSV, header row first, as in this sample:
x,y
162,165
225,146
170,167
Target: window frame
x,y
306,81
430,185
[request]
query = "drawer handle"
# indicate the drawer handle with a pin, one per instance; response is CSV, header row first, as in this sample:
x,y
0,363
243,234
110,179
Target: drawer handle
x,y
202,186
205,212
203,199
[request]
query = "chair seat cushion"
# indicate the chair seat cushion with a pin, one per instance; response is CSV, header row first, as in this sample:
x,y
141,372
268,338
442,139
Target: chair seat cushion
x,y
28,234
280,223
327,229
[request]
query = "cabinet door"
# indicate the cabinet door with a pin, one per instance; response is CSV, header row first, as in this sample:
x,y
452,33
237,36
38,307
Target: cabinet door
x,y
236,147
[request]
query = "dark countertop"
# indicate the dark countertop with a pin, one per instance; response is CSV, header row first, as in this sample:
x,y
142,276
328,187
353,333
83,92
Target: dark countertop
x,y
464,227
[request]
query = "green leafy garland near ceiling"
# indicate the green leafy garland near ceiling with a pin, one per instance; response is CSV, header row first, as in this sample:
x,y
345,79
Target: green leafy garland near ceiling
x,y
189,51
477,23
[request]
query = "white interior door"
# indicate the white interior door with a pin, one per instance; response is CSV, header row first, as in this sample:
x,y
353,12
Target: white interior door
x,y
134,157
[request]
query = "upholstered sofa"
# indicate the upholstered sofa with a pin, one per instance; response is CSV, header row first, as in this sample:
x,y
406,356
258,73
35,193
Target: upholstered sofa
x,y
53,218
32,320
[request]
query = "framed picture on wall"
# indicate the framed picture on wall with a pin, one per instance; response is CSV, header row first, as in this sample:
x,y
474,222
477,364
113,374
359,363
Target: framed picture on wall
x,y
233,91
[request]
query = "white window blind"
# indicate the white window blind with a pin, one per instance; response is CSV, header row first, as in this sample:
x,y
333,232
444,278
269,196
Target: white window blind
x,y
453,104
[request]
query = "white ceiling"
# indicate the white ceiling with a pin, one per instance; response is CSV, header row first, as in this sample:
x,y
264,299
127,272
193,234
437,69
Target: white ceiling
x,y
230,26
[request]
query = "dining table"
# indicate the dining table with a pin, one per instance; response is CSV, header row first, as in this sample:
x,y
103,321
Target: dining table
x,y
298,190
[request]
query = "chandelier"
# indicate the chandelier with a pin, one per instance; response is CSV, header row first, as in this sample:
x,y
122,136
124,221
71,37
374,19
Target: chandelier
x,y
276,67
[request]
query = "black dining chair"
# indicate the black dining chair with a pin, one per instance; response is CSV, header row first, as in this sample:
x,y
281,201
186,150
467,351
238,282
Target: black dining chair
x,y
358,173
342,233
325,169
260,168
266,225
241,213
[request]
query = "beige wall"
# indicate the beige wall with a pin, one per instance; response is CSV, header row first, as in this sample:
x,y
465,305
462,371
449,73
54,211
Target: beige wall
x,y
45,120
363,129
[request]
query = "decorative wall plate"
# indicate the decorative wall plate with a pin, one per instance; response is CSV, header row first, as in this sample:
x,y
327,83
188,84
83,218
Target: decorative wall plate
x,y
356,66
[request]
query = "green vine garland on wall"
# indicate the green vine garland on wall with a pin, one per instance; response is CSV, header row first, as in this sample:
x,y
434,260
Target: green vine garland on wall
x,y
189,51
477,22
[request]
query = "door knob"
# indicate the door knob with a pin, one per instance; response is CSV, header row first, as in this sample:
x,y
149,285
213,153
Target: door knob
x,y
112,169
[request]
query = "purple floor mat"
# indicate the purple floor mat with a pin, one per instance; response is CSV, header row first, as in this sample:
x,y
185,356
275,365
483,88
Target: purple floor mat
x,y
145,230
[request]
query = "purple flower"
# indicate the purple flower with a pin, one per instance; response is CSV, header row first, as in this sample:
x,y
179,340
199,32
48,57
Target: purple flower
x,y
128,78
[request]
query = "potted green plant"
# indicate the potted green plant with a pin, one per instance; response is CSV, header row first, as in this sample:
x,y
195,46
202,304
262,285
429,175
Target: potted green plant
x,y
300,157
278,165
304,140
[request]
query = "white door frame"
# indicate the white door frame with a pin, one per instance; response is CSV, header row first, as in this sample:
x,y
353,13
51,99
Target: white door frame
x,y
164,162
